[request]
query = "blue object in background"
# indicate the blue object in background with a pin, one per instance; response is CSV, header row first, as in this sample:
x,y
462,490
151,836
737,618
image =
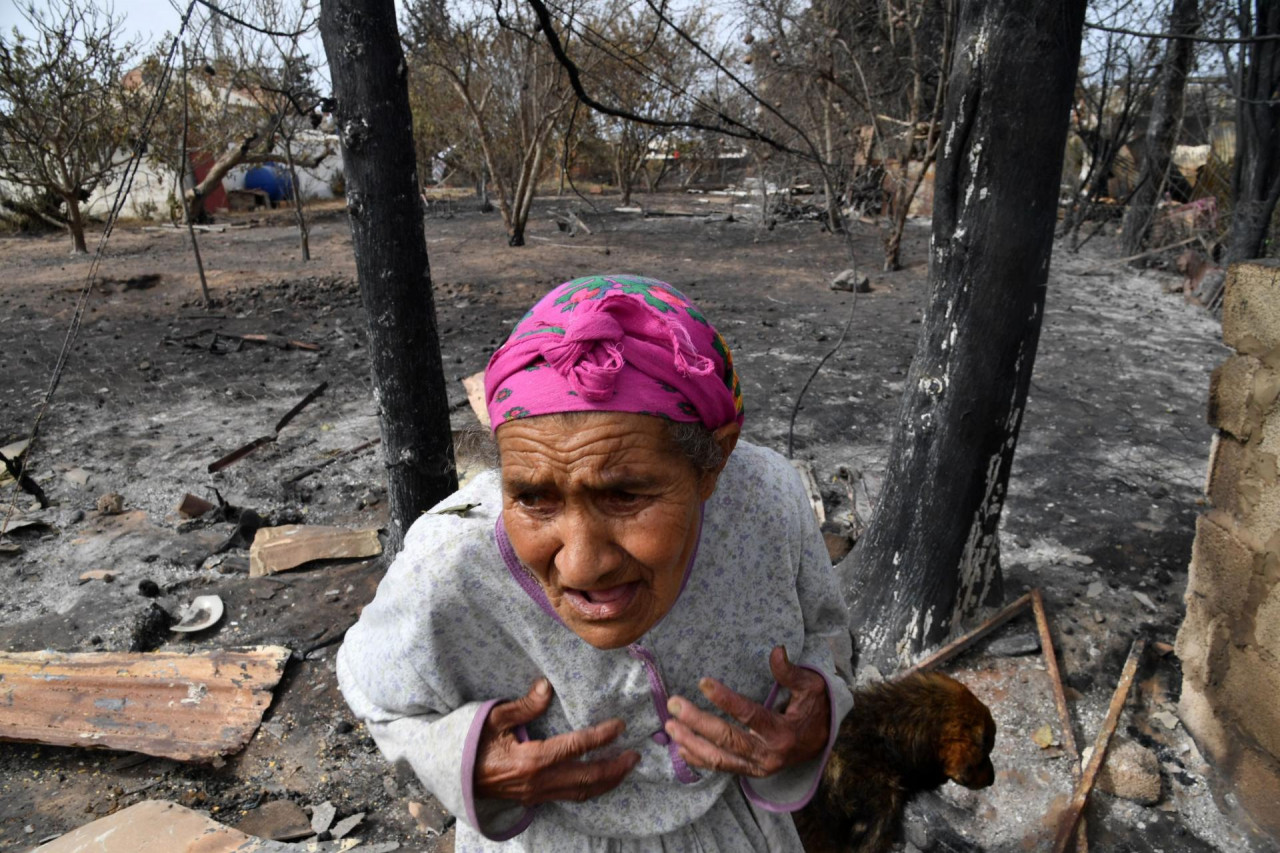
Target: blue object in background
x,y
271,179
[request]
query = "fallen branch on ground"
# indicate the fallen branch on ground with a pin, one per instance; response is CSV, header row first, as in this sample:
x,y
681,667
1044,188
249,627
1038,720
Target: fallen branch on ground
x,y
241,452
28,485
1067,828
307,472
1143,254
1059,699
963,642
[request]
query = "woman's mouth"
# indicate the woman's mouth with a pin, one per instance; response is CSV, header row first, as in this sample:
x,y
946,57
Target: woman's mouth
x,y
602,604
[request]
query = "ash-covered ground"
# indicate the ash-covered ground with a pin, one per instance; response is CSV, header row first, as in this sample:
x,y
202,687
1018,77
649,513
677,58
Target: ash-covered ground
x,y
1103,495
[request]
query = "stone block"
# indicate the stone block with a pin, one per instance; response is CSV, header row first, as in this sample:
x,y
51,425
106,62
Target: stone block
x,y
279,820
1203,642
1198,712
1251,307
1251,774
1244,482
1267,621
1222,565
1251,689
1256,781
1242,392
1266,436
1132,772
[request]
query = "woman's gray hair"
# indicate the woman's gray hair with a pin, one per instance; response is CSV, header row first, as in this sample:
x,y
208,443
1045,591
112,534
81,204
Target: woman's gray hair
x,y
693,441
697,444
475,444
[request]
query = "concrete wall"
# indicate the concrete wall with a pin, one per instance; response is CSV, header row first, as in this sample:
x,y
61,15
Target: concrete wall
x,y
1229,642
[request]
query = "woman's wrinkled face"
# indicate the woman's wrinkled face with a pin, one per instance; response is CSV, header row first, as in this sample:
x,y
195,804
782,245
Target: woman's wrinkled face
x,y
605,512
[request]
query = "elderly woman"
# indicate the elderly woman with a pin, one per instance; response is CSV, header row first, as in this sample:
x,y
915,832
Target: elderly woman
x,y
624,640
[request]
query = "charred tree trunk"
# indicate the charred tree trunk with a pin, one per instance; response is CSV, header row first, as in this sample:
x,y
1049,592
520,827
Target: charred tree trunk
x,y
1105,151
189,174
304,236
232,157
898,224
522,203
834,220
385,211
621,174
930,557
75,224
482,192
1162,131
1256,178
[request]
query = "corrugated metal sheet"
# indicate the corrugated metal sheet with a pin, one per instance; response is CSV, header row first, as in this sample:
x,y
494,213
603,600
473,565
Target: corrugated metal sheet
x,y
189,707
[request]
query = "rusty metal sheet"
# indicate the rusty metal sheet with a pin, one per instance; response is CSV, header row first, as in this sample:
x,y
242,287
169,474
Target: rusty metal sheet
x,y
189,707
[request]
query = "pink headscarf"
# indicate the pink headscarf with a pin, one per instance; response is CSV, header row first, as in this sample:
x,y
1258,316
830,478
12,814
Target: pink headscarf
x,y
615,343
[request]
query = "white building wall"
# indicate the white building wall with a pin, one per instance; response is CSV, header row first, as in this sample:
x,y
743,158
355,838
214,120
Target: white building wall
x,y
153,185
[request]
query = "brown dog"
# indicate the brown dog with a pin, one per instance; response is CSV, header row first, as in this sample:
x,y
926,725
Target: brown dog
x,y
901,737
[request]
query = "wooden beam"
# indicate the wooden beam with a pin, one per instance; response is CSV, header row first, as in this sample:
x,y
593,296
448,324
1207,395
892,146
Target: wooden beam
x,y
1067,828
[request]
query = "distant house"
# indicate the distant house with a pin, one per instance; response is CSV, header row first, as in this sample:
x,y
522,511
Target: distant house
x,y
154,186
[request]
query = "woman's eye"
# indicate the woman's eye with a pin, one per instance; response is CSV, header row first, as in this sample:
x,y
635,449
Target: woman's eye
x,y
532,500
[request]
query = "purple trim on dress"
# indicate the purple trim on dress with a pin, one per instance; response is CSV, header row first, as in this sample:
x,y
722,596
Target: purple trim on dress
x,y
470,747
658,691
772,806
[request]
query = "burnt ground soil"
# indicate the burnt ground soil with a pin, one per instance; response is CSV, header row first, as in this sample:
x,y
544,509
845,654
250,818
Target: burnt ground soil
x,y
1103,496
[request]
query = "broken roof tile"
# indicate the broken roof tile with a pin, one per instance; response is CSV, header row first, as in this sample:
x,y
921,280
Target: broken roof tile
x,y
278,549
152,826
189,707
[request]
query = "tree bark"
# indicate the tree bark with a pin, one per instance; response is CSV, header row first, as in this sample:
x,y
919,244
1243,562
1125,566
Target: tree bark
x,y
385,212
833,204
930,557
232,157
526,185
75,225
1162,129
304,237
621,174
1256,184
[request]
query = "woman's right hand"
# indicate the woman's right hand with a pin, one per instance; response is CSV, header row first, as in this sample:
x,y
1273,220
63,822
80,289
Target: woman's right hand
x,y
538,771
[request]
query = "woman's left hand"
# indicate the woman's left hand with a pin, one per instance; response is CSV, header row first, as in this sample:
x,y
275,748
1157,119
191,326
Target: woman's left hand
x,y
771,741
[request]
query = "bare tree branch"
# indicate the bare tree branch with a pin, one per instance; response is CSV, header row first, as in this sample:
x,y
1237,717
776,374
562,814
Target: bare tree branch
x,y
266,31
1182,37
731,126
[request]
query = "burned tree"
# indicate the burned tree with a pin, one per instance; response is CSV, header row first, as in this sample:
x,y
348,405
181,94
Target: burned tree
x,y
385,211
1255,180
513,90
930,556
250,97
65,115
286,96
622,38
1118,70
1162,128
